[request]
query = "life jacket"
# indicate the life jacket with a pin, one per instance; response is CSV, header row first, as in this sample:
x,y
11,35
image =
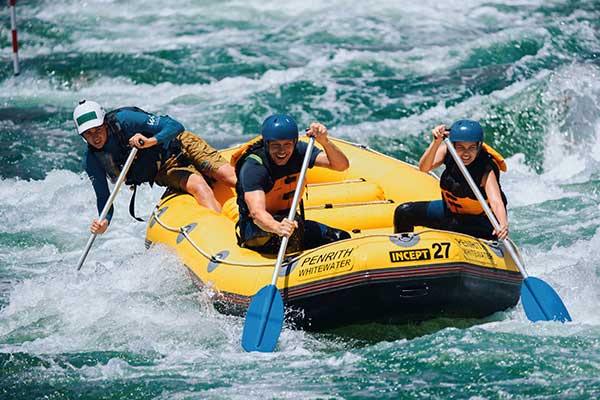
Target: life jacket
x,y
456,192
279,197
147,161
143,169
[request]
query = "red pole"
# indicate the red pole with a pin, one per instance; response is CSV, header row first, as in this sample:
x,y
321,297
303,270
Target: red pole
x,y
15,43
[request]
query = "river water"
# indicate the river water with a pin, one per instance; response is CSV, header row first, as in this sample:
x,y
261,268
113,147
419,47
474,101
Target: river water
x,y
383,73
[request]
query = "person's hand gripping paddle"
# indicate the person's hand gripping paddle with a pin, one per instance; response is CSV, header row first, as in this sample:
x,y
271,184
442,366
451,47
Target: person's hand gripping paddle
x,y
540,301
109,203
264,318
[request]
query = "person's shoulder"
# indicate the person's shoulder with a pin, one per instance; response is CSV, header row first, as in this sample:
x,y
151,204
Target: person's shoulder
x,y
253,174
253,163
89,162
128,112
85,158
135,118
88,154
301,146
448,160
486,157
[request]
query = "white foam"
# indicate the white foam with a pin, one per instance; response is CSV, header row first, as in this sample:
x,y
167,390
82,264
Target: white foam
x,y
595,152
140,304
115,34
571,271
561,164
129,300
526,187
124,299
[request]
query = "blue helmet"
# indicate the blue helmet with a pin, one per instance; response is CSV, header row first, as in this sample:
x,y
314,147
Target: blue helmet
x,y
279,127
465,130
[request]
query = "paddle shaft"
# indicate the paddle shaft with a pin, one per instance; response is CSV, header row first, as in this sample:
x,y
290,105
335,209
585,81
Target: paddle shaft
x,y
108,204
292,213
507,243
264,318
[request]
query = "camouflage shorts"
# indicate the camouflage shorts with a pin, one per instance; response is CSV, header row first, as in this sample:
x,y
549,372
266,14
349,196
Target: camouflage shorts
x,y
196,157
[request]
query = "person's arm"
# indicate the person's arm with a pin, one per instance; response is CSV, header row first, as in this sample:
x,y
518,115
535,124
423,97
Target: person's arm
x,y
434,155
333,158
263,219
150,128
490,183
97,176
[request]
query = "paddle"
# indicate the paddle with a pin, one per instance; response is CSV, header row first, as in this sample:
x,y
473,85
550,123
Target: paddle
x,y
540,301
109,203
264,318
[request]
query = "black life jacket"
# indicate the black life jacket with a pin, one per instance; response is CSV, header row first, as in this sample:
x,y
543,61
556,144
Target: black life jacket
x,y
147,161
143,169
456,192
280,194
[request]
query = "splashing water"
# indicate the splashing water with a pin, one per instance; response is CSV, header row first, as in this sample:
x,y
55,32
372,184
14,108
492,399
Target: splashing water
x,y
131,324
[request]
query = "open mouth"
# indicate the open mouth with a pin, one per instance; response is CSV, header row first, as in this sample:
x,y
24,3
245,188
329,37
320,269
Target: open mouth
x,y
281,157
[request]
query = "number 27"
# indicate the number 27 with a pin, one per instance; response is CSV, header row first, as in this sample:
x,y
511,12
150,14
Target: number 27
x,y
439,253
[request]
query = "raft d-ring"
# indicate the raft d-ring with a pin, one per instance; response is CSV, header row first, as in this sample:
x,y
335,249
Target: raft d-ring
x,y
157,214
288,266
215,260
185,230
406,239
496,247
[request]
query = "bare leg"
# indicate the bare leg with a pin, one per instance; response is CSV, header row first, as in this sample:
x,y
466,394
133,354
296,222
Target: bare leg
x,y
226,174
197,187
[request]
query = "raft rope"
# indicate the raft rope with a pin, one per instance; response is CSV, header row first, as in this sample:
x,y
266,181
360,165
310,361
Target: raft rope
x,y
217,258
214,258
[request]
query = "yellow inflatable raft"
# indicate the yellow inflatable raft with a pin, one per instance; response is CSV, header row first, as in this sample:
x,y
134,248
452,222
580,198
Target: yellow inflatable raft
x,y
375,276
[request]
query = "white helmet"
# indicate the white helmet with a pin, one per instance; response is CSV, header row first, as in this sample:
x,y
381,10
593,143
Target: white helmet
x,y
88,114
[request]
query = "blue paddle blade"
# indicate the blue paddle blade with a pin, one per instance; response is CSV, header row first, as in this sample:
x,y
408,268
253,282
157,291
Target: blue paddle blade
x,y
541,302
264,320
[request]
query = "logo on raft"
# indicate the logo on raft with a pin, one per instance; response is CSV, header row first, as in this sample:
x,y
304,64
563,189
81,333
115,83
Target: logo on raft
x,y
410,255
325,264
